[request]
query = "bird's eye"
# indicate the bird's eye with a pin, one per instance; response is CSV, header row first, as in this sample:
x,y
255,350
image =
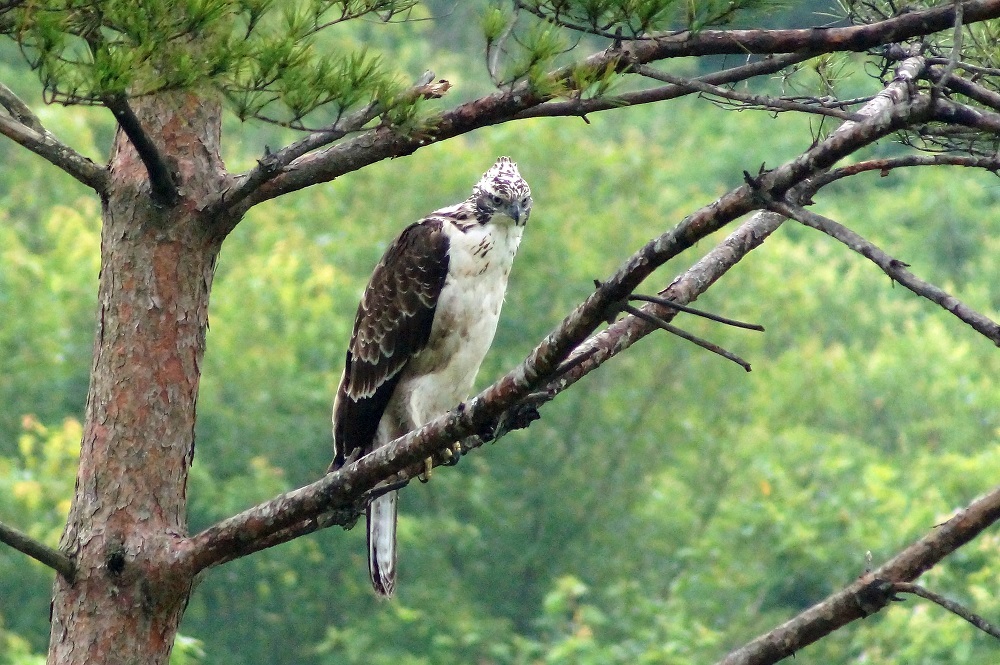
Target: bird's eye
x,y
496,199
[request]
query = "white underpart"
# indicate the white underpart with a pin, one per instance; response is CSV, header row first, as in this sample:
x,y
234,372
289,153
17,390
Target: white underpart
x,y
465,321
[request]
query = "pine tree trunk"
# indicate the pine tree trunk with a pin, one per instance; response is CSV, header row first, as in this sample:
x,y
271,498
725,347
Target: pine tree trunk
x,y
129,509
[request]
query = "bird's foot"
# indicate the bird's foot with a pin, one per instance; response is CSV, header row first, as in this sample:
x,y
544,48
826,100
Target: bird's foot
x,y
447,457
451,454
425,475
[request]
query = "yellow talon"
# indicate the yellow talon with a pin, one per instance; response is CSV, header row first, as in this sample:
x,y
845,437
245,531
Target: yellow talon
x,y
425,476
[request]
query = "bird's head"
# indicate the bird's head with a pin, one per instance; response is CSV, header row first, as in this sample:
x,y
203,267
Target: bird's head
x,y
502,195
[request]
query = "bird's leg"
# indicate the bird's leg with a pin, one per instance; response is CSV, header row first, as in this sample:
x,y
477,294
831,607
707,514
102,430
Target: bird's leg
x,y
447,457
452,454
425,475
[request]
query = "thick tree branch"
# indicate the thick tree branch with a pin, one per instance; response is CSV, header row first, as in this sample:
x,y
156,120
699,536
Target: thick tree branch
x,y
25,544
161,178
872,591
583,106
887,164
19,110
247,532
894,268
960,114
964,86
386,142
854,38
686,288
24,128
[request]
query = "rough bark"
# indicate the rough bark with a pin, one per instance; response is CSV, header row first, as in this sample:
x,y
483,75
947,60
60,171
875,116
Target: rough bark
x,y
126,598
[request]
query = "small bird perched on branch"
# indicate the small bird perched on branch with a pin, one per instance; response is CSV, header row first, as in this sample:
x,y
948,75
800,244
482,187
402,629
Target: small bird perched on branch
x,y
424,324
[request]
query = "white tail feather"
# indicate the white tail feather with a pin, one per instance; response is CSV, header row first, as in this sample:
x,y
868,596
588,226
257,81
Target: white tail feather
x,y
382,543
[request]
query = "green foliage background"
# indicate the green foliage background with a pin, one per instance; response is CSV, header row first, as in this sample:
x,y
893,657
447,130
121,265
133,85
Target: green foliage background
x,y
667,509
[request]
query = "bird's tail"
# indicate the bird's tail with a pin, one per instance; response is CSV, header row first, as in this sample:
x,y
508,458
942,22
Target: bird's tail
x,y
382,543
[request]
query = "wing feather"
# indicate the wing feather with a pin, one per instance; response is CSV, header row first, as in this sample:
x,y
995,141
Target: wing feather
x,y
392,325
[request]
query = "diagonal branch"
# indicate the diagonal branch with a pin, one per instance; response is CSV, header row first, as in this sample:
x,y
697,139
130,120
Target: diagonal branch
x,y
272,164
161,178
950,605
960,114
872,591
894,268
41,552
250,530
19,110
683,334
966,87
24,128
852,38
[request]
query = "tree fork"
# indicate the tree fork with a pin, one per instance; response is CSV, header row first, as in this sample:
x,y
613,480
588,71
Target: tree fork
x,y
129,510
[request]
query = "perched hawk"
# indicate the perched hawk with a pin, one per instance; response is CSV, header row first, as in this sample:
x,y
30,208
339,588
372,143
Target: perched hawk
x,y
422,329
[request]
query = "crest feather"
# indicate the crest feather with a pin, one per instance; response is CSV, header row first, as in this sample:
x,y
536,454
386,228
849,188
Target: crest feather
x,y
503,178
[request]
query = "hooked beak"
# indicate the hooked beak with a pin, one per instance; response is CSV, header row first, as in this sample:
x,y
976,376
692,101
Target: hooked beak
x,y
516,212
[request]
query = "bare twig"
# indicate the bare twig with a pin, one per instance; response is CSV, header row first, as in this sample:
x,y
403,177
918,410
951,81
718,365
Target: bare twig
x,y
697,312
956,49
745,99
966,66
494,49
683,334
894,268
950,605
162,182
872,591
25,544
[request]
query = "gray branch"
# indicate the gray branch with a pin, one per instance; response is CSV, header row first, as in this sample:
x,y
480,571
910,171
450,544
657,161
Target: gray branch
x,y
19,110
23,127
161,178
894,268
583,106
871,592
25,544
955,608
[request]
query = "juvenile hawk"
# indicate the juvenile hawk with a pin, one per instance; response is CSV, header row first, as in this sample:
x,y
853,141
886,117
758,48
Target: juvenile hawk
x,y
424,324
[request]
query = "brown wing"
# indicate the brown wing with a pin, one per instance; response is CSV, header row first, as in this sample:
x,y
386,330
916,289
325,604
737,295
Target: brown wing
x,y
392,325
